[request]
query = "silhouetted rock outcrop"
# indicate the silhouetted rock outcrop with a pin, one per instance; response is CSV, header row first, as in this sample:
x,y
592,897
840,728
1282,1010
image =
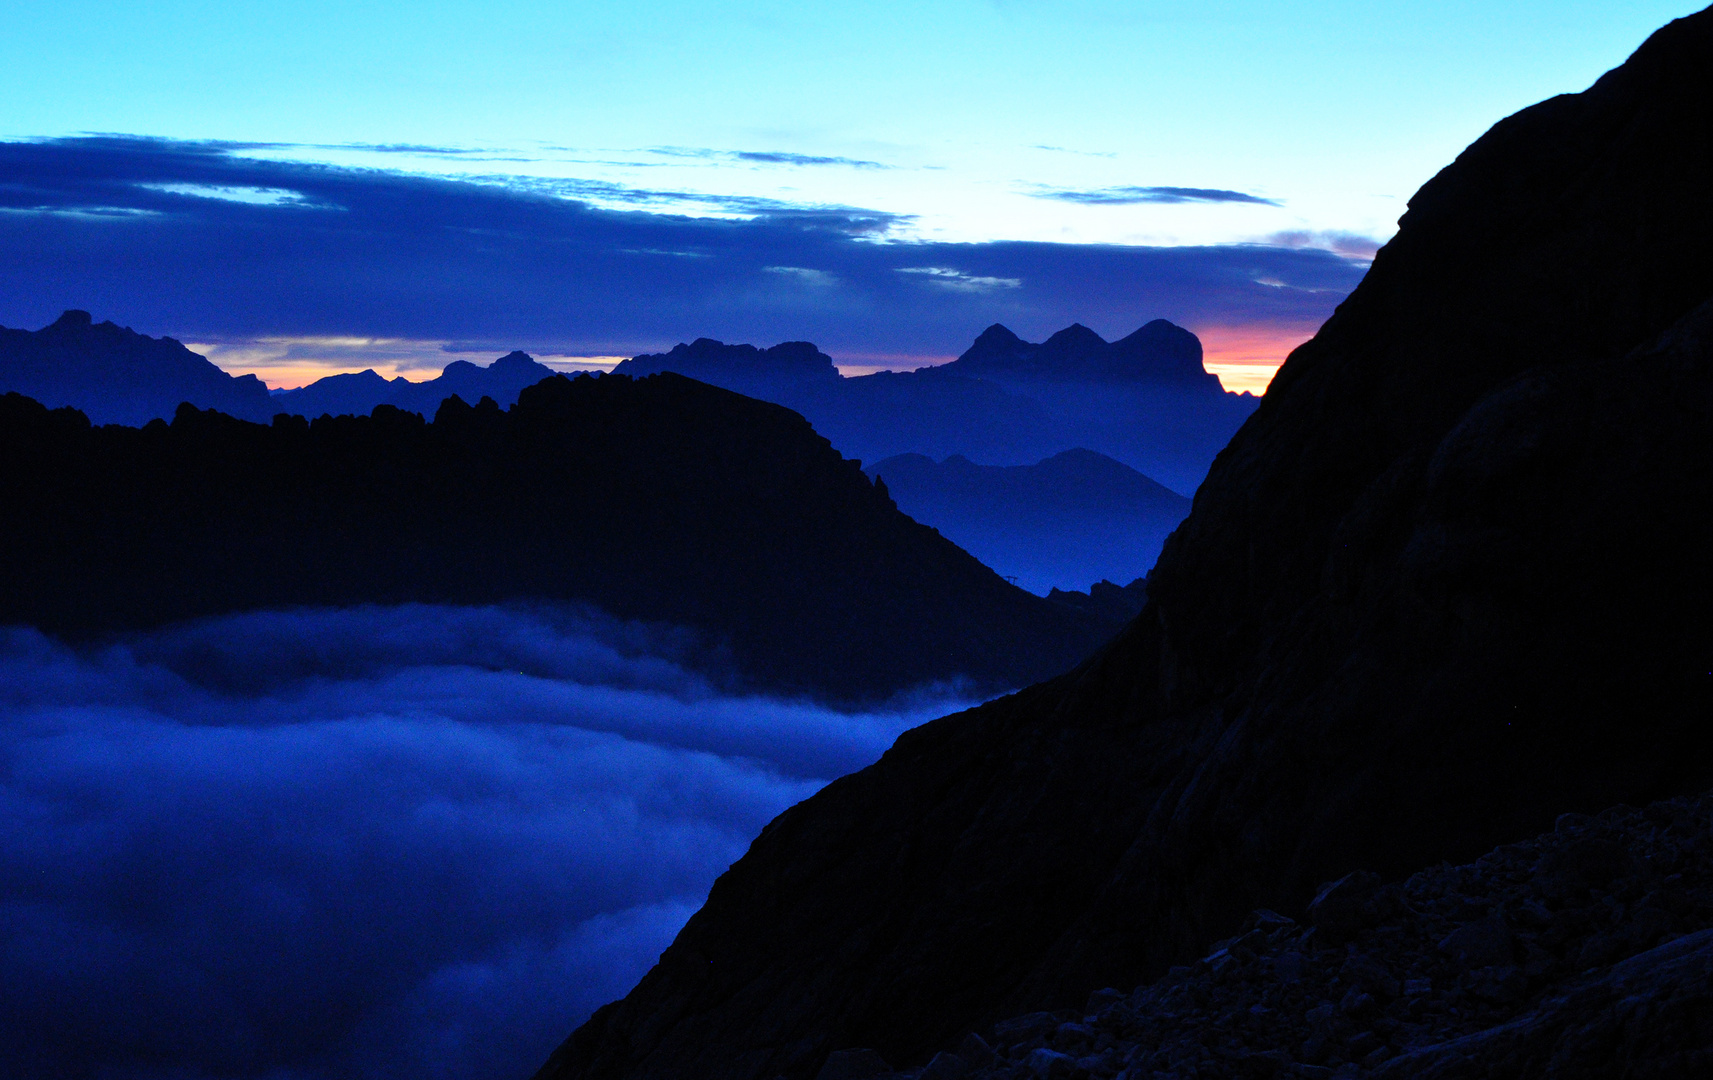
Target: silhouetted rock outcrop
x,y
1448,582
1160,352
1076,517
357,394
115,375
744,368
661,499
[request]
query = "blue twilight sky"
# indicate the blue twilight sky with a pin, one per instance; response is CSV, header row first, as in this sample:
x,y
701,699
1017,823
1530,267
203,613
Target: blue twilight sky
x,y
1300,126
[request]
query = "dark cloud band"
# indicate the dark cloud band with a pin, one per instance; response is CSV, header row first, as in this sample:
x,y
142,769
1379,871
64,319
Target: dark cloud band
x,y
159,235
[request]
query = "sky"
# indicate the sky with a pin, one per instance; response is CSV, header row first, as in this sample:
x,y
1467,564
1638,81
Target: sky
x,y
884,179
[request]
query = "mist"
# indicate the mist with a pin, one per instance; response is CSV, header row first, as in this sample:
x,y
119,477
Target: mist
x,y
407,841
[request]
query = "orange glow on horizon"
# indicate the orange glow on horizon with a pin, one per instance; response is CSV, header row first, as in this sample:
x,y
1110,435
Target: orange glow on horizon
x,y
1245,357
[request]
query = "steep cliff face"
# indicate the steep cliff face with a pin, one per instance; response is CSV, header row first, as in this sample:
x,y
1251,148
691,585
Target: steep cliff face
x,y
1449,581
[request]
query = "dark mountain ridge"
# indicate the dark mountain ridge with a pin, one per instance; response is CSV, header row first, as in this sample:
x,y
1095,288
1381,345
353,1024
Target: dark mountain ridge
x,y
1449,581
115,375
661,499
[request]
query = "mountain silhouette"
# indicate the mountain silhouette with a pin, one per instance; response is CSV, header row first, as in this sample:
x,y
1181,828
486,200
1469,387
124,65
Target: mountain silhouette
x,y
1159,352
357,394
1075,518
115,375
1144,400
1449,582
662,499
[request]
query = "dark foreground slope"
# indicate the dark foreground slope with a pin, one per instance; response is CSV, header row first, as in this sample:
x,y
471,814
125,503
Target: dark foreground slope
x,y
661,499
1448,582
1582,954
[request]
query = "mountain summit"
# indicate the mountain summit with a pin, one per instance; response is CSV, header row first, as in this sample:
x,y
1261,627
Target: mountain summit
x,y
1449,582
1160,351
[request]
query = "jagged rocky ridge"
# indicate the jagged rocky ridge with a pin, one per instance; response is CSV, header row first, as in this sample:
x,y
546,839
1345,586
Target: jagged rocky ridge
x,y
661,499
1583,953
1447,583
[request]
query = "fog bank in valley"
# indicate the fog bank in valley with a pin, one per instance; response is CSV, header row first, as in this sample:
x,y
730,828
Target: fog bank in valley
x,y
410,841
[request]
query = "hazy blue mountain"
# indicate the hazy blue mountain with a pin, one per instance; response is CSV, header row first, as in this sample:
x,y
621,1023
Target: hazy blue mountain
x,y
1077,517
115,375
358,393
1145,399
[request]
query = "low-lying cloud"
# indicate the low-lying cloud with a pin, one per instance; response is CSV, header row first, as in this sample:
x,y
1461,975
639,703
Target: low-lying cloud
x,y
385,842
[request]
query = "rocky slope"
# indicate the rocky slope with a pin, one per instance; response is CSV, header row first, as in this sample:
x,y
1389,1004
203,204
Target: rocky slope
x,y
115,375
1585,952
1447,583
661,499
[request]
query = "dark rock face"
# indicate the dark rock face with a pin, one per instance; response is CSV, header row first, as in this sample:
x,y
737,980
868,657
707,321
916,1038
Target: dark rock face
x,y
115,375
358,393
1074,518
662,499
1610,978
1159,352
1449,581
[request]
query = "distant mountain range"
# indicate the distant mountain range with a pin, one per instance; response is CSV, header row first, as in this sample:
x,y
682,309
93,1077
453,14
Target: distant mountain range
x,y
661,499
1144,400
1075,518
357,394
115,375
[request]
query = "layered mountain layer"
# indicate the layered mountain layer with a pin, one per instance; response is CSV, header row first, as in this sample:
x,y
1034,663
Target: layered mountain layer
x,y
1448,582
1144,400
1077,517
115,375
660,499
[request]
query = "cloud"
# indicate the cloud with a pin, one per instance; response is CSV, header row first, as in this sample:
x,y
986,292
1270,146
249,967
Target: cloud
x,y
958,281
764,157
575,267
1349,245
1122,196
411,841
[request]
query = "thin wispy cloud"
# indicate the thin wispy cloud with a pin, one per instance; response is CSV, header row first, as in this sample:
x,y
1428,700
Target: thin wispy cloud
x,y
766,157
1125,196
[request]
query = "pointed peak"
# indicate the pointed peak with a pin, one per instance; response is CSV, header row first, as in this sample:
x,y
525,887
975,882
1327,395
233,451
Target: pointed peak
x,y
997,334
515,358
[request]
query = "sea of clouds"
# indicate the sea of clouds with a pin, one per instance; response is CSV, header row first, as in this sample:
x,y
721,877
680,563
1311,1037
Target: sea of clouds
x,y
405,841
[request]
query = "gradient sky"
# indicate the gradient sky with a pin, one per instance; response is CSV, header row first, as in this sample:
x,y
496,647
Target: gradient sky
x,y
1299,126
